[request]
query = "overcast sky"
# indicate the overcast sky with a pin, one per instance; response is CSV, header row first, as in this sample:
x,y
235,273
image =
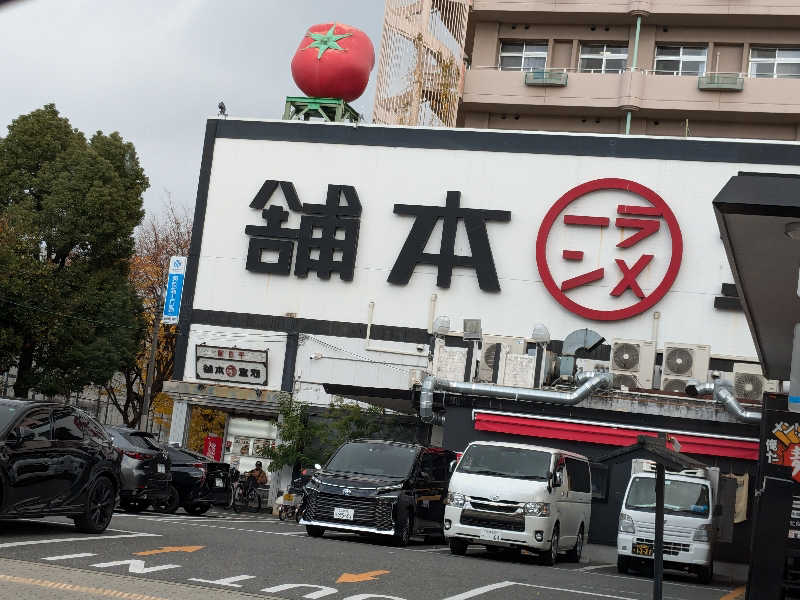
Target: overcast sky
x,y
154,70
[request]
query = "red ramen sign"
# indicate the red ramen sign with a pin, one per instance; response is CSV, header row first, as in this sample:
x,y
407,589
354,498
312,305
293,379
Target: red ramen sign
x,y
645,219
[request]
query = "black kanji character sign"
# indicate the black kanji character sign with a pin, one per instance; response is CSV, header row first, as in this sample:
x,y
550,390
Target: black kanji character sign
x,y
413,251
333,250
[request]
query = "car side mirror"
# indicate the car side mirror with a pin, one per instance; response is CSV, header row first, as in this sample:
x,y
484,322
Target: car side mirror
x,y
558,479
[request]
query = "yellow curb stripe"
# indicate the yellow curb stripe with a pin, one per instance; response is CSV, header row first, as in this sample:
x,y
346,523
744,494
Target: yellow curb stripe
x,y
80,589
735,594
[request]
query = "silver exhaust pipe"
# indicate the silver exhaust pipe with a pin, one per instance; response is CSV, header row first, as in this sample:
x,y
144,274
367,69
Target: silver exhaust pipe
x,y
592,381
722,394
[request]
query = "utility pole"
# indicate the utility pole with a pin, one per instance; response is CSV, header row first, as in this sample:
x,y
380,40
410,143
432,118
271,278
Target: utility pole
x,y
151,364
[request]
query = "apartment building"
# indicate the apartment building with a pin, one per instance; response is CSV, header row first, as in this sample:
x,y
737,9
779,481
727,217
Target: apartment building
x,y
697,68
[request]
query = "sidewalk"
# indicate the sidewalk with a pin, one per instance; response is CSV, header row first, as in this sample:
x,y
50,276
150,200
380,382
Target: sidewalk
x,y
728,573
21,580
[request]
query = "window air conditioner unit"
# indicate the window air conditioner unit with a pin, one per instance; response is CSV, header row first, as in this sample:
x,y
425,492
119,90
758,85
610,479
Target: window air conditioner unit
x,y
449,362
749,384
632,363
683,362
494,348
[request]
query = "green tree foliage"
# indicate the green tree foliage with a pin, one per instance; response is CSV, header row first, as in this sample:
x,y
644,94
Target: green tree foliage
x,y
306,440
68,208
299,435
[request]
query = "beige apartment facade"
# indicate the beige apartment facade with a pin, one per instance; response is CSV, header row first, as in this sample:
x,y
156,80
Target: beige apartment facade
x,y
698,68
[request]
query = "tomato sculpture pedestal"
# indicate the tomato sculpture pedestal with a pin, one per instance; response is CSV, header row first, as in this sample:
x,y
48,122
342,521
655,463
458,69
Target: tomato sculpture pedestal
x,y
328,109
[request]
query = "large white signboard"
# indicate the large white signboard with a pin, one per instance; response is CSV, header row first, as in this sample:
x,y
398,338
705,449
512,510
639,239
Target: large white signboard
x,y
626,246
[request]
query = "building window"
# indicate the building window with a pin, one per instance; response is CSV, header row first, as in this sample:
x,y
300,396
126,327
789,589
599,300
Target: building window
x,y
522,56
774,62
603,58
680,60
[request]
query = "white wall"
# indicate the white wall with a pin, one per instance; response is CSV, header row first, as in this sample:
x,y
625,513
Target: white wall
x,y
527,185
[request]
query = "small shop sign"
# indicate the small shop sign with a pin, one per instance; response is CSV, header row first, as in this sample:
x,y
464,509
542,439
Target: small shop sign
x,y
232,365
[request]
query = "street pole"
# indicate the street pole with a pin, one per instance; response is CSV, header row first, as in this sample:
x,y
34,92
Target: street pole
x,y
151,364
658,550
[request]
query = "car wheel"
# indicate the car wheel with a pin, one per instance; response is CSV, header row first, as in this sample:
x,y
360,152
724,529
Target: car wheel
x,y
314,531
457,547
574,555
402,531
622,564
99,509
169,504
197,509
550,558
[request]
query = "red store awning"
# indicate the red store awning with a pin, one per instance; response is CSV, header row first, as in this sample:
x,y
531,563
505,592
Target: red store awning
x,y
611,435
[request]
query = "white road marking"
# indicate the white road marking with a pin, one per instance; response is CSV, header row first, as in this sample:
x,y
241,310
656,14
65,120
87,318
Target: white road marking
x,y
135,566
76,539
504,584
632,578
364,596
68,556
593,567
228,581
285,533
322,590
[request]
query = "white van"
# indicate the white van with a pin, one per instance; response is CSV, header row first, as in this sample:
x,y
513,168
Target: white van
x,y
689,498
517,496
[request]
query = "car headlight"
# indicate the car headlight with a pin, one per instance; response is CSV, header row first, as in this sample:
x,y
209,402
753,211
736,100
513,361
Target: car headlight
x,y
702,533
455,499
537,509
626,524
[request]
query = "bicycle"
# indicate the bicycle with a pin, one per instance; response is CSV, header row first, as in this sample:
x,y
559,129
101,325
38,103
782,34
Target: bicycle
x,y
242,499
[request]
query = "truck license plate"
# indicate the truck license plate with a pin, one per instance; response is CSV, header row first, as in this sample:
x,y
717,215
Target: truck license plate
x,y
162,468
641,549
343,513
219,483
490,534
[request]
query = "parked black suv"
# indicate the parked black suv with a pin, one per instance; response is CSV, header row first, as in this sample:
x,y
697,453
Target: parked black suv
x,y
378,487
56,460
145,473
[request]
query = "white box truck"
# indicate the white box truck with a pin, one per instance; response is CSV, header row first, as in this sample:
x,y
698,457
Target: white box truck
x,y
689,500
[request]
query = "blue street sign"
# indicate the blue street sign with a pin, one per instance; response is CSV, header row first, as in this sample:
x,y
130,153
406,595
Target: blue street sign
x,y
172,301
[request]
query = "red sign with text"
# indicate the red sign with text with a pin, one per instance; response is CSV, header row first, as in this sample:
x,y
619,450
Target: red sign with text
x,y
621,276
212,447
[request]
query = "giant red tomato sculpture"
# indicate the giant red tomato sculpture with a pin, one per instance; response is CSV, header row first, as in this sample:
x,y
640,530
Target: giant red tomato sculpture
x,y
333,61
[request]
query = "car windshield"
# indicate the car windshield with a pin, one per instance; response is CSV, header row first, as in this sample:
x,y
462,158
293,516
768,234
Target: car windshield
x,y
503,461
680,497
8,414
364,458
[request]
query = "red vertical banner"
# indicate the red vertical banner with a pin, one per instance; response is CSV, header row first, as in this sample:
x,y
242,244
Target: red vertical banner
x,y
212,447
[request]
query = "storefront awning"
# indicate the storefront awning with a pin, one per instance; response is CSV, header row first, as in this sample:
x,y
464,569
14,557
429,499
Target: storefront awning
x,y
611,434
236,400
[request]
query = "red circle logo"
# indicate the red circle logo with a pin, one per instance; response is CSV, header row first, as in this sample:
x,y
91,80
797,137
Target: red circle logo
x,y
231,371
645,219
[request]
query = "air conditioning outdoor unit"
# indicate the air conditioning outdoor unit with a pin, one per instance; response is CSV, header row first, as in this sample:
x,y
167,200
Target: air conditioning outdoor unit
x,y
749,384
632,363
449,362
493,350
683,362
518,370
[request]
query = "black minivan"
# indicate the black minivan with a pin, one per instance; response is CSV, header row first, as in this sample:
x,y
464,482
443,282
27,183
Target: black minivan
x,y
380,488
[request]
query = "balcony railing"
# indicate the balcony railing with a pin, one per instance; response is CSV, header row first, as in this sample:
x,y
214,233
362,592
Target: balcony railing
x,y
721,82
546,77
